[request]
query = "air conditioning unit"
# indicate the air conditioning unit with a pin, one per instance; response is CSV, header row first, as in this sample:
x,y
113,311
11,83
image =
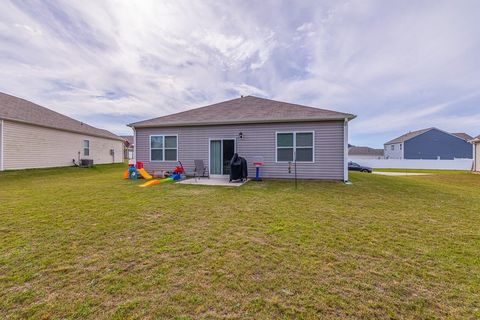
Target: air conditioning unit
x,y
86,163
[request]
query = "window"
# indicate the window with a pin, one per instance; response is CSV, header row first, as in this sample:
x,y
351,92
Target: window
x,y
295,143
86,147
163,148
400,146
392,147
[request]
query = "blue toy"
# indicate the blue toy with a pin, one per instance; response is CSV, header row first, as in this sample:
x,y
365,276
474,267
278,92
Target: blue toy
x,y
132,173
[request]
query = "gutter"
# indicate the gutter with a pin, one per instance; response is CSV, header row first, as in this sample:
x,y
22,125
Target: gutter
x,y
253,121
135,144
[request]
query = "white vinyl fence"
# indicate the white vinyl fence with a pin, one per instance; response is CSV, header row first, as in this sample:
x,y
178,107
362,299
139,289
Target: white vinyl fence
x,y
457,164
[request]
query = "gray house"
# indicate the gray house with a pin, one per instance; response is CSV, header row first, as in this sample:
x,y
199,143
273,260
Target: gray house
x,y
256,129
430,143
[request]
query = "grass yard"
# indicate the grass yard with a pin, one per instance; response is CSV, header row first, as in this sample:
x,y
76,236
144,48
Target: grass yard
x,y
85,244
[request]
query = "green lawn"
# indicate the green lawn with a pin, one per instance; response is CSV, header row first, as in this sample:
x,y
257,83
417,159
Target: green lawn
x,y
83,243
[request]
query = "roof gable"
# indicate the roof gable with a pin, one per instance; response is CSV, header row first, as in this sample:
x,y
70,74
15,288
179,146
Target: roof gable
x,y
17,109
248,109
413,134
408,136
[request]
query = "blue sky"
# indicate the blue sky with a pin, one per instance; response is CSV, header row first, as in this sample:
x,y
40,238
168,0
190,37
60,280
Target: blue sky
x,y
398,65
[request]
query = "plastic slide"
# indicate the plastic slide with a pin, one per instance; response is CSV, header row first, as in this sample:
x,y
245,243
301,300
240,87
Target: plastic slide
x,y
144,174
125,174
154,182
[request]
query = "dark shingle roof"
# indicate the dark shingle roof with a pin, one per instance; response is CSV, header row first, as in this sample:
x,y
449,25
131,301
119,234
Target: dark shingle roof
x,y
408,136
463,135
364,151
17,109
413,134
248,109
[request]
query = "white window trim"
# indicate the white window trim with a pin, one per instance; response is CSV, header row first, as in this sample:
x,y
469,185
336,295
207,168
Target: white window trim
x,y
163,148
294,146
83,147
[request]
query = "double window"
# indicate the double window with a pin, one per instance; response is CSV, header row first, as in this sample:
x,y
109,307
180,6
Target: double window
x,y
163,148
291,144
86,147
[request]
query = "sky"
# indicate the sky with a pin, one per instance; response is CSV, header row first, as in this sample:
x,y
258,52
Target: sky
x,y
398,65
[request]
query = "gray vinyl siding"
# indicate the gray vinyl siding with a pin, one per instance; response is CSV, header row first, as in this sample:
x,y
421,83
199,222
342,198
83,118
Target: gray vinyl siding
x,y
259,140
436,144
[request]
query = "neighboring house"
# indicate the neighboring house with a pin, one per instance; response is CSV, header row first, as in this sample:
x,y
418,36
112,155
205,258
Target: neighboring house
x,y
256,129
430,143
127,147
364,153
476,153
32,136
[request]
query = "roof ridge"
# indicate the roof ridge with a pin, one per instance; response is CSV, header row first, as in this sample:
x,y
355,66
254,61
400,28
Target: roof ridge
x,y
248,109
185,111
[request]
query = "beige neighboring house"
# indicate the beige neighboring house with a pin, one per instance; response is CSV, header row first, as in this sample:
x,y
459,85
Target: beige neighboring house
x,y
32,136
476,153
358,153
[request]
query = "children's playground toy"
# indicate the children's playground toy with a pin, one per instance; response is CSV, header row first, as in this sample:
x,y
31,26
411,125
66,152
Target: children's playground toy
x,y
135,171
144,174
132,173
174,177
178,174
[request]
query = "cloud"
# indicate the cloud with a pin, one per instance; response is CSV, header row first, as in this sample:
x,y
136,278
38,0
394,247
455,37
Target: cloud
x,y
397,65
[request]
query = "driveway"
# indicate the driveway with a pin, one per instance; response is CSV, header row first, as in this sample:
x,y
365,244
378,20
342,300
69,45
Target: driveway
x,y
401,173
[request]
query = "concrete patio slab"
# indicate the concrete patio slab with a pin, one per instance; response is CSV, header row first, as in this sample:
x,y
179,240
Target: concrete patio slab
x,y
222,182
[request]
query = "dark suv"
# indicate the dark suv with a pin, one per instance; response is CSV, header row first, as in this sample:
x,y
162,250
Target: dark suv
x,y
352,166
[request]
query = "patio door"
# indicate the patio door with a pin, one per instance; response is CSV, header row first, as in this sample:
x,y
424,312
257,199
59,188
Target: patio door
x,y
221,152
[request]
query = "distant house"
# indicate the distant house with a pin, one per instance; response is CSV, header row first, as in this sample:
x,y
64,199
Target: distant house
x,y
430,143
476,153
364,153
128,147
273,132
32,136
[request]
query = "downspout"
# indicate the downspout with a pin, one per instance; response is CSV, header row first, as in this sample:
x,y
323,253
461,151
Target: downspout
x,y
474,145
134,144
1,143
345,150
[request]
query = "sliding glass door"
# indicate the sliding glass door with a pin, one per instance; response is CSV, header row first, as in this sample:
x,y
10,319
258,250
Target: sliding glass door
x,y
221,152
215,156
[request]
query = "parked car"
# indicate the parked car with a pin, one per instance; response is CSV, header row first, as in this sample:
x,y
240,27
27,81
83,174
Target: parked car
x,y
352,166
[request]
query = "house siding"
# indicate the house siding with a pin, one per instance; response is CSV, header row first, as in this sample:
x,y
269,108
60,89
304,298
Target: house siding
x,y
259,140
436,144
29,146
397,153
